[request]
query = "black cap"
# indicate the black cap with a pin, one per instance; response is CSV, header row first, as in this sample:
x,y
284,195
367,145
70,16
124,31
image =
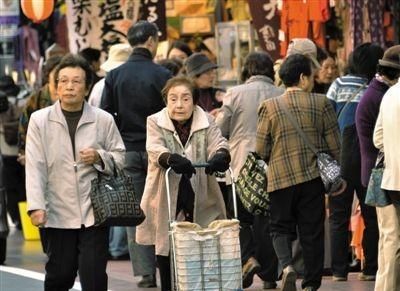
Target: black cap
x,y
198,64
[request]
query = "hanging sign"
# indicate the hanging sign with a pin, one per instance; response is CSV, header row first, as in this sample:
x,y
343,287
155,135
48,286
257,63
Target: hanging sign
x,y
266,22
154,11
103,23
99,24
9,18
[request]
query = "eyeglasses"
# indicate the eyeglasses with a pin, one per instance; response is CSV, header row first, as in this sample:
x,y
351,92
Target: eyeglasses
x,y
75,82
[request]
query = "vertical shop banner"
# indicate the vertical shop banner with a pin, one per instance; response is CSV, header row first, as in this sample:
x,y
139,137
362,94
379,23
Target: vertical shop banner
x,y
154,11
9,18
102,23
266,22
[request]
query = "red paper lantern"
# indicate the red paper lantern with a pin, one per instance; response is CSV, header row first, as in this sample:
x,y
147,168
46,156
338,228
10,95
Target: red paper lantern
x,y
37,10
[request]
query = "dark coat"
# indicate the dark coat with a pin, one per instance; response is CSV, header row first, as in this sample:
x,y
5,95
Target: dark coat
x,y
132,92
366,115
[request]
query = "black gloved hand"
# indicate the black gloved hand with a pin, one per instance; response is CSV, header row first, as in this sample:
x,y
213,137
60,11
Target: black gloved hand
x,y
181,165
219,162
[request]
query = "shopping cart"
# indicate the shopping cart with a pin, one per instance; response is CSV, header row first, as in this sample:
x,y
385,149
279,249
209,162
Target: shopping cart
x,y
205,258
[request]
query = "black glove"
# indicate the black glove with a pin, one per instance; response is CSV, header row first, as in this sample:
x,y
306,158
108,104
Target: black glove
x,y
181,165
219,162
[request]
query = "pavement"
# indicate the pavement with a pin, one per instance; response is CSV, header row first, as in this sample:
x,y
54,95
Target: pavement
x,y
24,271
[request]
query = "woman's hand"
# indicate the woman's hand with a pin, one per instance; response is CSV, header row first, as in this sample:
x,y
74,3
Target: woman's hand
x,y
89,156
38,217
181,165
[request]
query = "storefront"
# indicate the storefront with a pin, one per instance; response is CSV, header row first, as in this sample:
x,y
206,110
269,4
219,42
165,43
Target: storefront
x,y
229,28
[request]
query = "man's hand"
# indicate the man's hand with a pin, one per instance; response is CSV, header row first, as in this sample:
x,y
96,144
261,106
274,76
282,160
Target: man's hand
x,y
38,217
89,156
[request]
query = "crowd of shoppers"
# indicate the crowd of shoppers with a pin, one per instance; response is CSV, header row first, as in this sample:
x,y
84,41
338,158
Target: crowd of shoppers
x,y
174,122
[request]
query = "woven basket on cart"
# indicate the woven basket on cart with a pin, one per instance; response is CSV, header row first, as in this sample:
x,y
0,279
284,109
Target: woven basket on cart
x,y
207,258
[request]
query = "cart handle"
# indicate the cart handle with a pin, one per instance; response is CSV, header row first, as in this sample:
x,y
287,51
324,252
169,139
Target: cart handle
x,y
199,165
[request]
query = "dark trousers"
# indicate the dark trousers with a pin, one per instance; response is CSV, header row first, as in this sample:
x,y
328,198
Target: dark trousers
x,y
255,241
302,205
70,250
339,219
164,266
143,257
3,250
14,183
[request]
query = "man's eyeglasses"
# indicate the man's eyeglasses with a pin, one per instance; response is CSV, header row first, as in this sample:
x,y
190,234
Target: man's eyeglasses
x,y
75,82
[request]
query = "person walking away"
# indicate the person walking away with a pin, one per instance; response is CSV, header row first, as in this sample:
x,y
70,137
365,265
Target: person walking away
x,y
345,94
388,73
237,120
117,55
294,183
13,171
386,139
132,92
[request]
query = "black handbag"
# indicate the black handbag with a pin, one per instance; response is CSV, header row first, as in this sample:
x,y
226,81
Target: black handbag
x,y
114,200
251,185
328,167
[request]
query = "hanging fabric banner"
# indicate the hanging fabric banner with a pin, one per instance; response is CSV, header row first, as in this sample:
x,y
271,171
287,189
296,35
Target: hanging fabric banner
x,y
102,23
9,18
266,22
99,24
154,11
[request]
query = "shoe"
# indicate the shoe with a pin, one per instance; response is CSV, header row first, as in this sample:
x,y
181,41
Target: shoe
x,y
148,281
363,277
289,277
339,278
269,285
249,270
124,257
309,288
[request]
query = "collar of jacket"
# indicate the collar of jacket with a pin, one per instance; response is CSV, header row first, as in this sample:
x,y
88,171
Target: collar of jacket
x,y
141,53
200,120
88,114
261,78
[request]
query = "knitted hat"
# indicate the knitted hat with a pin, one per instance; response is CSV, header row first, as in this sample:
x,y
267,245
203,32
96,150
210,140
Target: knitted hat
x,y
303,46
117,55
391,58
198,64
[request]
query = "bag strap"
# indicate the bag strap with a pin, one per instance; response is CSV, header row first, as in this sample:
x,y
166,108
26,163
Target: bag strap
x,y
350,99
116,170
380,160
298,128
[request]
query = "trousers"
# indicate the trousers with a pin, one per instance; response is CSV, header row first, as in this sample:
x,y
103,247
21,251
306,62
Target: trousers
x,y
388,275
70,250
301,206
143,257
340,212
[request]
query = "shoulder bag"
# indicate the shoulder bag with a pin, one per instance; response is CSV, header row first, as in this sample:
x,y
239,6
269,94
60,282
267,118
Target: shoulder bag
x,y
328,167
376,196
251,185
114,200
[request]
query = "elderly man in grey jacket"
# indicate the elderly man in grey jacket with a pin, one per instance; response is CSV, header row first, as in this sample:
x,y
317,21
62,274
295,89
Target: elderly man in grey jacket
x,y
238,122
